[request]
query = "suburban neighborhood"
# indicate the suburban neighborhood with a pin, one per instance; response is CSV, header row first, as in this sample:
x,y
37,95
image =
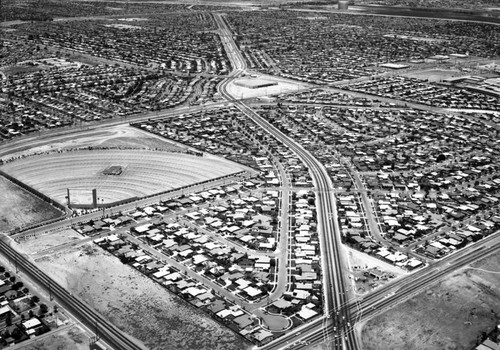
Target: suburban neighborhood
x,y
231,175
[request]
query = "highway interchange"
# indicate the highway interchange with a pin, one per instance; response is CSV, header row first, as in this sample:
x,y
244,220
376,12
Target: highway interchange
x,y
342,308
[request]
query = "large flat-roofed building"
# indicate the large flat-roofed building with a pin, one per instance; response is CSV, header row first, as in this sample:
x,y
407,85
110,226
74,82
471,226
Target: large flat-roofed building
x,y
343,4
254,83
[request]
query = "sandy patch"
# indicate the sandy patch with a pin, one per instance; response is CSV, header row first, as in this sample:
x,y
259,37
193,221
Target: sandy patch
x,y
449,315
356,258
72,338
135,304
47,241
20,208
361,264
321,346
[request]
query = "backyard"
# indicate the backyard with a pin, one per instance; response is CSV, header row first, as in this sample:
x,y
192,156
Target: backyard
x,y
136,304
69,338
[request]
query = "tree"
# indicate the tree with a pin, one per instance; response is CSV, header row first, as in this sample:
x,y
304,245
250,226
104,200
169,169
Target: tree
x,y
16,334
43,309
440,158
17,285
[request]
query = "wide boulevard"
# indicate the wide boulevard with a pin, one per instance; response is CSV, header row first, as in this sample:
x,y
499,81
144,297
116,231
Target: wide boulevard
x,y
342,310
337,314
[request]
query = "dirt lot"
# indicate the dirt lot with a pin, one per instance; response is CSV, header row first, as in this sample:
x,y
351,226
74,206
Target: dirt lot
x,y
449,315
135,304
48,241
20,208
72,338
361,264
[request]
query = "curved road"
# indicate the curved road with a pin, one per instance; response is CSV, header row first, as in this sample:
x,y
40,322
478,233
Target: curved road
x,y
338,315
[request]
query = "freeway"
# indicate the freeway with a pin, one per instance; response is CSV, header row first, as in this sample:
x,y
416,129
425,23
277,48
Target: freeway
x,y
417,281
336,328
471,16
61,134
340,311
336,294
91,318
401,289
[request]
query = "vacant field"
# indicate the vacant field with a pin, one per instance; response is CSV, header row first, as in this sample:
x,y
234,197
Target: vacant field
x,y
19,207
365,261
135,304
360,263
47,241
145,172
72,338
449,315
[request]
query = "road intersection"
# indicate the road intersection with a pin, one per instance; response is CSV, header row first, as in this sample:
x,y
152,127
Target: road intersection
x,y
335,286
342,308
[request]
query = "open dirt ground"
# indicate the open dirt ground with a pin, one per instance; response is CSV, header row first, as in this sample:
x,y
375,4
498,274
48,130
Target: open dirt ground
x,y
449,315
361,264
48,241
20,208
136,304
362,260
72,338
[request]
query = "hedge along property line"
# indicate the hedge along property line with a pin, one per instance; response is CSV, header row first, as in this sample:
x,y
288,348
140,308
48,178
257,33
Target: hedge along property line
x,y
172,190
239,173
105,205
100,206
